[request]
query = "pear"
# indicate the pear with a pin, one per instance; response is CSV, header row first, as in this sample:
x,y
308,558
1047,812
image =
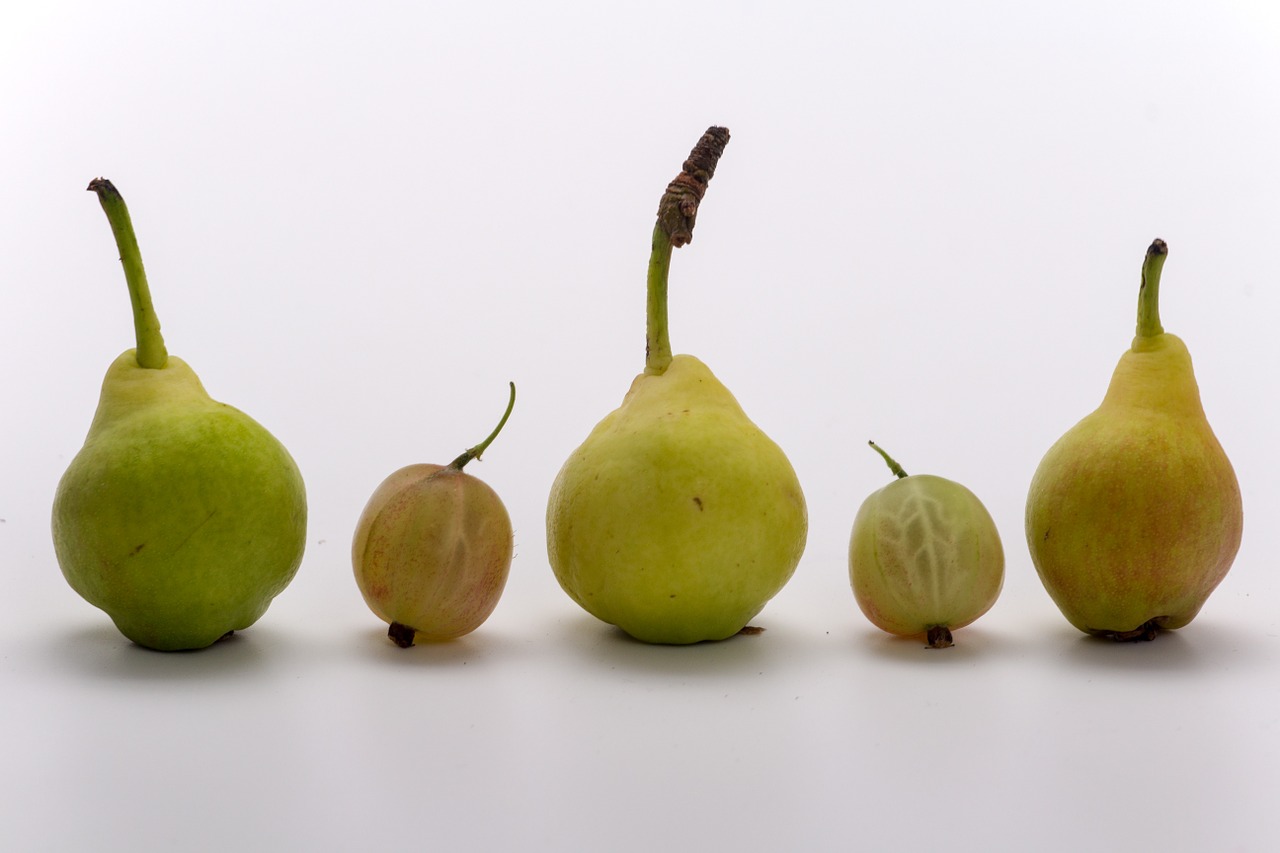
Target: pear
x,y
924,557
181,517
1134,516
678,518
433,548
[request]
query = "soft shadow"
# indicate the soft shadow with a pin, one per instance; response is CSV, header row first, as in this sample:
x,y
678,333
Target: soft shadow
x,y
1199,647
100,651
477,650
610,648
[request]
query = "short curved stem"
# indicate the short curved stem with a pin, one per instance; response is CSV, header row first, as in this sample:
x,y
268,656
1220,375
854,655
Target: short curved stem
x,y
1149,293
151,352
474,452
893,466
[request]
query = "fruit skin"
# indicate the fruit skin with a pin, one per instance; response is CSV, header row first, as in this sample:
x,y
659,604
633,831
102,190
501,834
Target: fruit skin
x,y
432,551
1135,515
181,517
924,553
678,518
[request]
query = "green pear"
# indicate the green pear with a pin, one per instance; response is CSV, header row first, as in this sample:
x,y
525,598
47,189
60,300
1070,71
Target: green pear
x,y
1134,516
924,557
433,548
181,517
678,518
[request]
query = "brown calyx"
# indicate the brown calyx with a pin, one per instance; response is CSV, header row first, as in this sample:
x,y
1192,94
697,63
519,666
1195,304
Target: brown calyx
x,y
939,637
1144,633
401,635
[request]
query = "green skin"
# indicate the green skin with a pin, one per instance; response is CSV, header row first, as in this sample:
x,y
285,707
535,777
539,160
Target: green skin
x,y
1134,516
181,517
678,518
432,552
432,549
924,555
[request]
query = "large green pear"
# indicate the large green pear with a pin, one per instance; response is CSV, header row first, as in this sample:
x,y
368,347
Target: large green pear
x,y
1134,516
181,517
678,518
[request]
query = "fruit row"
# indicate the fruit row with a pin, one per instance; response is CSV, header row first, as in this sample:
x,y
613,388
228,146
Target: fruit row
x,y
677,519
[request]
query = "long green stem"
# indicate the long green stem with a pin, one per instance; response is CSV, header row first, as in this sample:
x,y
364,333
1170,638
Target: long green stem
x,y
677,213
1149,294
893,466
657,342
474,452
151,351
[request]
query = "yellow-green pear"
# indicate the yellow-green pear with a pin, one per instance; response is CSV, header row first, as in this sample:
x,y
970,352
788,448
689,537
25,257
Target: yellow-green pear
x,y
1134,516
925,557
181,517
433,547
678,518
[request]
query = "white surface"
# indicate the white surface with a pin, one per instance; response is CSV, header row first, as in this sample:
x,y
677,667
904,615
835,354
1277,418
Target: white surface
x,y
360,221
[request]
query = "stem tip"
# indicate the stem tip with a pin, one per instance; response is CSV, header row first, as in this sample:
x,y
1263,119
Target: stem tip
x,y
1149,292
889,460
678,209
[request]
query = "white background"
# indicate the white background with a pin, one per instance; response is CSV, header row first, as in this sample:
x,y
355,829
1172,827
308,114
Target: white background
x,y
360,220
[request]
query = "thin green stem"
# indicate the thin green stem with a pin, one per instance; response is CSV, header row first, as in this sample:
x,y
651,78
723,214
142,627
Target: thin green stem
x,y
657,342
474,452
1149,294
893,466
151,351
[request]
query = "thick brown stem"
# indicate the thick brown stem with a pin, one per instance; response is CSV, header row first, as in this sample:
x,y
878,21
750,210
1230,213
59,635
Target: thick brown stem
x,y
677,213
678,209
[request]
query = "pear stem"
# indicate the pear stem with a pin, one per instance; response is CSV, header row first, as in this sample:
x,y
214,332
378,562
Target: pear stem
x,y
1149,293
677,214
474,452
893,466
151,352
657,342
